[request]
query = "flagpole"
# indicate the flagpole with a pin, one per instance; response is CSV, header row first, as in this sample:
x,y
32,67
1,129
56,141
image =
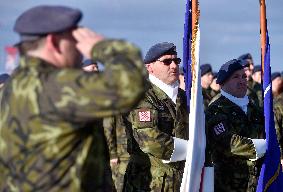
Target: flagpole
x,y
262,31
194,13
195,20
271,175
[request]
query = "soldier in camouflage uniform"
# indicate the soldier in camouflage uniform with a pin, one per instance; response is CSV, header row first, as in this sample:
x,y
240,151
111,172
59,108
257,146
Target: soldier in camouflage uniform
x,y
257,74
51,128
115,133
215,88
157,128
206,80
276,80
254,90
234,127
90,66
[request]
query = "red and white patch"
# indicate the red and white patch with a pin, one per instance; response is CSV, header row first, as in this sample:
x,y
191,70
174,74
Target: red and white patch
x,y
219,128
144,116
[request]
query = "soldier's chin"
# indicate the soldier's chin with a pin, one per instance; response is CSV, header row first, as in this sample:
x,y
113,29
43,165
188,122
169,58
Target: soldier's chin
x,y
243,92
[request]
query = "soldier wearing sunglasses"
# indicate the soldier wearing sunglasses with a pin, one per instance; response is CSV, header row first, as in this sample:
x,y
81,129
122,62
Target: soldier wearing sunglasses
x,y
157,128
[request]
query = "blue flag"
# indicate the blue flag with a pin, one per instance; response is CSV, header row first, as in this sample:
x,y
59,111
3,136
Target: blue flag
x,y
271,176
187,60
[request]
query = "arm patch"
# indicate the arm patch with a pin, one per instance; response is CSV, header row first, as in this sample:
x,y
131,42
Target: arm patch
x,y
144,116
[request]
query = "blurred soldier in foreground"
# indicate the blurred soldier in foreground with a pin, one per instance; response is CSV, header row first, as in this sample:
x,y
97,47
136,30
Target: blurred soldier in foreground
x,y
157,129
115,132
51,128
234,126
206,80
89,65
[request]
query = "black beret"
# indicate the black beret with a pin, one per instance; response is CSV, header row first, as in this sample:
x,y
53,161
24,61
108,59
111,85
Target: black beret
x,y
245,56
88,62
244,62
205,68
45,19
275,75
257,68
4,77
227,69
159,50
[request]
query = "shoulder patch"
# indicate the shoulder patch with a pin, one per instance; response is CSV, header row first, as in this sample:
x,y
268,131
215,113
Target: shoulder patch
x,y
219,129
144,116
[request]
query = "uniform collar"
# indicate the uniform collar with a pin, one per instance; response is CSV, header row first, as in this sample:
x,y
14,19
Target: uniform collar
x,y
170,90
241,102
34,62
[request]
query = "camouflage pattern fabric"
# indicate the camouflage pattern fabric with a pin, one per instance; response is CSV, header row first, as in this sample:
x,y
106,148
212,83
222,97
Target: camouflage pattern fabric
x,y
51,136
150,131
278,114
228,131
254,92
115,132
207,97
213,93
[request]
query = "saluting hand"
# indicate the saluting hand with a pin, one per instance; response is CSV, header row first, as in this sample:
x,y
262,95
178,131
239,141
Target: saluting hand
x,y
86,39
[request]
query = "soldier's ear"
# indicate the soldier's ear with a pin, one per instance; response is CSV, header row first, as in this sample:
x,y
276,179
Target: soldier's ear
x,y
149,67
52,42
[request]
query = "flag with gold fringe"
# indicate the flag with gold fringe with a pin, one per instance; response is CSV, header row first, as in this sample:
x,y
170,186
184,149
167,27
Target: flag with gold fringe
x,y
194,167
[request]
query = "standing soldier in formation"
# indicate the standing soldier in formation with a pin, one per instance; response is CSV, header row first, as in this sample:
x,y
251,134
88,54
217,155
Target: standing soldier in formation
x,y
257,74
157,128
276,80
206,80
254,90
234,126
115,132
90,66
51,111
215,87
182,84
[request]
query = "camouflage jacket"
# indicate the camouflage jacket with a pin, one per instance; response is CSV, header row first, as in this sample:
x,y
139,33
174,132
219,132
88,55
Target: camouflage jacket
x,y
51,132
115,133
254,92
278,114
228,131
150,130
213,93
207,97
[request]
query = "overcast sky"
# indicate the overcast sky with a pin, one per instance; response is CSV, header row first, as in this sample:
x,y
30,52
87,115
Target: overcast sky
x,y
229,28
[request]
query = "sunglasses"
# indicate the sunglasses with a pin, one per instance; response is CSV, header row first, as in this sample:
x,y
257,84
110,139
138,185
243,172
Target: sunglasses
x,y
169,61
